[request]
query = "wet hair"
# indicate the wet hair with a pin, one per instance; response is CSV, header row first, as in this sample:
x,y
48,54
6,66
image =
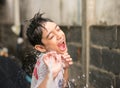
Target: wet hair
x,y
34,30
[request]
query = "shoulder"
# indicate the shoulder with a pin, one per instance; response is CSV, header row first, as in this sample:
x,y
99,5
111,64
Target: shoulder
x,y
40,59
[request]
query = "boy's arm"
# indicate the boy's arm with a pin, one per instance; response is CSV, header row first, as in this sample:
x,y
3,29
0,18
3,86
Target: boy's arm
x,y
66,76
67,62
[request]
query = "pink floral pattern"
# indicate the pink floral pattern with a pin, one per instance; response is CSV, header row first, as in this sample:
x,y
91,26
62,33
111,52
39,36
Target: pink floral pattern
x,y
35,70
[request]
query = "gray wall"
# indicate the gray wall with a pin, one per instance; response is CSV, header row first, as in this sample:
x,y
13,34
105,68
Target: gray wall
x,y
107,12
64,12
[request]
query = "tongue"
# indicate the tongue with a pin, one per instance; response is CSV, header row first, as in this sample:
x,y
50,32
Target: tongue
x,y
61,46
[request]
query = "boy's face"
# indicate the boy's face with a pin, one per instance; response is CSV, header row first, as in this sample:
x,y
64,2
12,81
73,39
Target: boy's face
x,y
53,38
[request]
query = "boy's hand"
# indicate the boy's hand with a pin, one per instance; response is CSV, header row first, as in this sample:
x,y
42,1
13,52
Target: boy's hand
x,y
67,60
53,62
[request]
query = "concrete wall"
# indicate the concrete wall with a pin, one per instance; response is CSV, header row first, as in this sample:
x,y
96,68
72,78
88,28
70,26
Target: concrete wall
x,y
64,12
6,12
107,12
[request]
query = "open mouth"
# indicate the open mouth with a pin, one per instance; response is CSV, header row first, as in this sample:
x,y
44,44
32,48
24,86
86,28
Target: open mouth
x,y
62,46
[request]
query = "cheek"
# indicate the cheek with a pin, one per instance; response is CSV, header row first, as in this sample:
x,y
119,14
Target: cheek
x,y
63,34
51,47
50,44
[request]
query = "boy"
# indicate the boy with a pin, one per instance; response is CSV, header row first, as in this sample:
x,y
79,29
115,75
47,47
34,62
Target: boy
x,y
51,69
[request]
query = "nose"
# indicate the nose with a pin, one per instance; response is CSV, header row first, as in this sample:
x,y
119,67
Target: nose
x,y
59,36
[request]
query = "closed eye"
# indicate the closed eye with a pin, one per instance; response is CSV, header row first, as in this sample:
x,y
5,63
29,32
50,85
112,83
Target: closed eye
x,y
50,36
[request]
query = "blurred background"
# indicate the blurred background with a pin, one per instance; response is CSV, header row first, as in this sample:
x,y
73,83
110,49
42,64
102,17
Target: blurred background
x,y
92,29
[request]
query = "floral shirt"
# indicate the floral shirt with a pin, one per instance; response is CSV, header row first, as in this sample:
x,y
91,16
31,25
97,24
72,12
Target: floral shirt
x,y
39,73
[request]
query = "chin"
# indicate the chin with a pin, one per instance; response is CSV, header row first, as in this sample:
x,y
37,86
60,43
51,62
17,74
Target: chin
x,y
63,51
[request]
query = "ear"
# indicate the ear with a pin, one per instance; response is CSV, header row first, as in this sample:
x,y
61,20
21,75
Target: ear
x,y
40,48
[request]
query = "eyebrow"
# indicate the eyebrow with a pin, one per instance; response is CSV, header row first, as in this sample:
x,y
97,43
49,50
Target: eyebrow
x,y
51,32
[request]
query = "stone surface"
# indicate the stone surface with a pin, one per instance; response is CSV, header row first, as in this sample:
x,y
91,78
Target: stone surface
x,y
101,80
118,36
95,57
104,36
111,61
73,33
